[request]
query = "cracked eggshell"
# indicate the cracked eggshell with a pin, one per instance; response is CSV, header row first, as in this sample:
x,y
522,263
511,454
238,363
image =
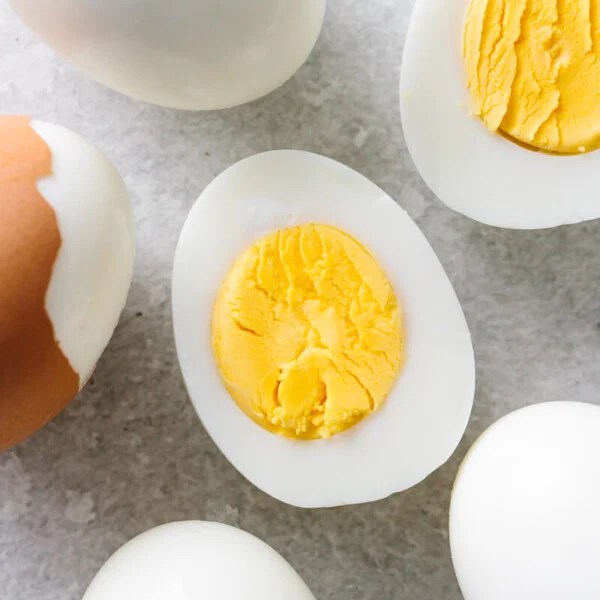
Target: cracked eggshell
x,y
56,329
197,559
524,521
422,420
199,55
480,174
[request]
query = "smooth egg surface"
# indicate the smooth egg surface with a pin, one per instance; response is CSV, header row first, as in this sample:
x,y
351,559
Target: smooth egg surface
x,y
199,55
478,172
68,247
424,416
524,519
193,560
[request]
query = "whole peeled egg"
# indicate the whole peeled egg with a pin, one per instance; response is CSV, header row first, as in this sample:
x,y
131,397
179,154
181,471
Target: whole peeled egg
x,y
524,519
67,247
195,55
197,559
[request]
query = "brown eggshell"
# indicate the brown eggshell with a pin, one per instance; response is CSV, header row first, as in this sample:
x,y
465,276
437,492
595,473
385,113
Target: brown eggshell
x,y
36,379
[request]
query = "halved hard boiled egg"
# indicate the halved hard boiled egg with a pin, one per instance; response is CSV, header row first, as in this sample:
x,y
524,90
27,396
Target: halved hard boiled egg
x,y
524,520
321,342
196,559
499,103
67,248
198,55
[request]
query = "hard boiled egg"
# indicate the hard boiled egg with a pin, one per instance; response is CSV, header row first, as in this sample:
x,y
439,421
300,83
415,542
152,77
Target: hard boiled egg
x,y
67,247
196,55
322,344
500,111
524,521
197,559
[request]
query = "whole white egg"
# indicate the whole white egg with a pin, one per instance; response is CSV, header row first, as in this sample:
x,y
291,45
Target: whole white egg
x,y
524,518
424,416
191,560
188,54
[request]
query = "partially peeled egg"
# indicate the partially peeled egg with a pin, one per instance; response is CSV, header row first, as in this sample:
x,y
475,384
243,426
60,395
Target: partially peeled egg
x,y
320,339
67,247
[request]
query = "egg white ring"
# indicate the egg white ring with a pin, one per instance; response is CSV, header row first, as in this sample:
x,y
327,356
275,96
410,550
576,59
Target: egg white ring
x,y
474,171
196,559
425,415
93,270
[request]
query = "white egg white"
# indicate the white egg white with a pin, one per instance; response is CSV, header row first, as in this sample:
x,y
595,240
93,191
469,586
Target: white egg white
x,y
424,417
524,517
476,172
93,270
195,55
194,560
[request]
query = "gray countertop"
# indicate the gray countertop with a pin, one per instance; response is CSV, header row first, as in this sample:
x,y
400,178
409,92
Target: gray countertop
x,y
129,453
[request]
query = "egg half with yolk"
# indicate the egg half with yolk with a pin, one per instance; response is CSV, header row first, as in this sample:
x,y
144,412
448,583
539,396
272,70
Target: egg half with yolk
x,y
321,342
190,560
67,247
500,108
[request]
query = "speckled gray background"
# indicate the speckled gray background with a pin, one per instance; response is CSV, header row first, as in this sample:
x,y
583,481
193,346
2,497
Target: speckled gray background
x,y
130,453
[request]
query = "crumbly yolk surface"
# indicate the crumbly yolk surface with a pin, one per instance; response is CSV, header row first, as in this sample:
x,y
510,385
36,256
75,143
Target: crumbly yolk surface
x,y
307,332
533,70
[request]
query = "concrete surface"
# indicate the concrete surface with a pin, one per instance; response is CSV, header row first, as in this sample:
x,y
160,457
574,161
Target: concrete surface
x,y
130,453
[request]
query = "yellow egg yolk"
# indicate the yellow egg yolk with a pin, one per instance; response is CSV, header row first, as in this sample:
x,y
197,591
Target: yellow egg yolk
x,y
533,70
307,332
